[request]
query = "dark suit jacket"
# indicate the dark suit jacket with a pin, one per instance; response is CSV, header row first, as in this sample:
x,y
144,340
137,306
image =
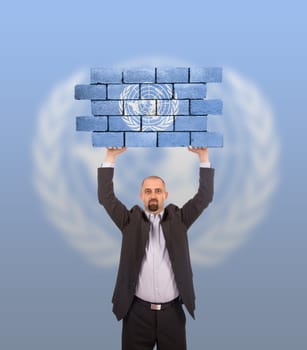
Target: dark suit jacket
x,y
134,226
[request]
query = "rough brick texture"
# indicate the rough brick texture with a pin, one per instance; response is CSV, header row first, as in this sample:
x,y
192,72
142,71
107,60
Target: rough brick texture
x,y
150,107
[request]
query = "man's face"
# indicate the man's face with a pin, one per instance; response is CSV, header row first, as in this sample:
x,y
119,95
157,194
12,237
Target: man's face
x,y
153,194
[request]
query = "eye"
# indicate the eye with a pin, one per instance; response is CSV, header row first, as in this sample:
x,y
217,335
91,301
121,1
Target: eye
x,y
158,190
147,191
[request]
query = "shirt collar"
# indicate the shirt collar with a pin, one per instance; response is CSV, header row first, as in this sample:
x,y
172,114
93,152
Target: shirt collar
x,y
160,214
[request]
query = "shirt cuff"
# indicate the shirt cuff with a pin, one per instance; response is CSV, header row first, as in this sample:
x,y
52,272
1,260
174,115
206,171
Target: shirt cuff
x,y
205,165
107,165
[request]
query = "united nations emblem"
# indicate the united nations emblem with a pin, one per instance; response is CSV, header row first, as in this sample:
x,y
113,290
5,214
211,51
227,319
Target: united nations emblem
x,y
157,106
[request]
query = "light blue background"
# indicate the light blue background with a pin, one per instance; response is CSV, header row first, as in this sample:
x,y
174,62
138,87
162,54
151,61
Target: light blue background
x,y
50,297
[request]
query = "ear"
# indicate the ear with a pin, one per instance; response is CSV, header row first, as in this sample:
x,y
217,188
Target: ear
x,y
141,196
166,195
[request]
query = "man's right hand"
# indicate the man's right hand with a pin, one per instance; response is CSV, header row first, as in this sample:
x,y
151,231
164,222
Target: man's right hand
x,y
112,153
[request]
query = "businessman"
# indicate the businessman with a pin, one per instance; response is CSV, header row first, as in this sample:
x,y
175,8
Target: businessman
x,y
154,277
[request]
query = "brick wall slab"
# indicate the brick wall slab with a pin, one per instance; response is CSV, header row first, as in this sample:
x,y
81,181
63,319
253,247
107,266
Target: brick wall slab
x,y
150,107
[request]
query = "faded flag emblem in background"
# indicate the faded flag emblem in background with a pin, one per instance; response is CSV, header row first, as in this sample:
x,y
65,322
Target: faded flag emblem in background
x,y
246,173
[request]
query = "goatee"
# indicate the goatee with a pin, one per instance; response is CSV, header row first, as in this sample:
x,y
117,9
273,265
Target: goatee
x,y
153,206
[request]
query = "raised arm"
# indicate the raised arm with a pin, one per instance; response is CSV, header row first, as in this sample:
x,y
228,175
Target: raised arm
x,y
194,207
203,153
112,153
114,207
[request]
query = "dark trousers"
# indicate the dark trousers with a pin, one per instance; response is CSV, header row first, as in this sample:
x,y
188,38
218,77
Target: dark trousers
x,y
143,327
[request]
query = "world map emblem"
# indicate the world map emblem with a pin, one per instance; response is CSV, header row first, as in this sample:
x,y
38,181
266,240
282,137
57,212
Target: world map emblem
x,y
157,116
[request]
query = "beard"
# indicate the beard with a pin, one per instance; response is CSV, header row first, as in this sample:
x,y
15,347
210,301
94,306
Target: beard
x,y
153,205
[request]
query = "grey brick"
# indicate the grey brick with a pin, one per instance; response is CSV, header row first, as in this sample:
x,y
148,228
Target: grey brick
x,y
143,75
90,92
108,139
141,139
91,123
115,91
117,123
173,75
205,75
190,123
201,107
156,91
172,107
190,91
173,139
106,75
106,107
206,139
165,122
140,107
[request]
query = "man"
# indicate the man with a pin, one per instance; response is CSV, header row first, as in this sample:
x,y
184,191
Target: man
x,y
155,275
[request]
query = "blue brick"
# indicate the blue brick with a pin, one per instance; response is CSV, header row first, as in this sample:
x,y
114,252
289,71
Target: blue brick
x,y
90,92
140,107
91,123
132,91
189,123
191,91
145,75
205,75
173,139
156,91
165,122
106,75
206,139
141,139
201,107
108,139
173,75
117,123
171,107
106,107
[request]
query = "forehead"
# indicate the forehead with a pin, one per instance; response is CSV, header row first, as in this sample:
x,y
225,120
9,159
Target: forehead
x,y
153,183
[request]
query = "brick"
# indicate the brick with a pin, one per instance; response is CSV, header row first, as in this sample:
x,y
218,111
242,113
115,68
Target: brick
x,y
145,75
156,91
173,139
108,139
189,123
106,75
115,91
201,107
205,75
91,123
90,92
206,139
165,123
107,107
141,139
118,123
172,107
173,75
140,107
190,91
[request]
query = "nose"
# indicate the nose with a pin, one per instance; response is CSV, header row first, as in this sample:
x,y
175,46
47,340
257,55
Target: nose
x,y
153,196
